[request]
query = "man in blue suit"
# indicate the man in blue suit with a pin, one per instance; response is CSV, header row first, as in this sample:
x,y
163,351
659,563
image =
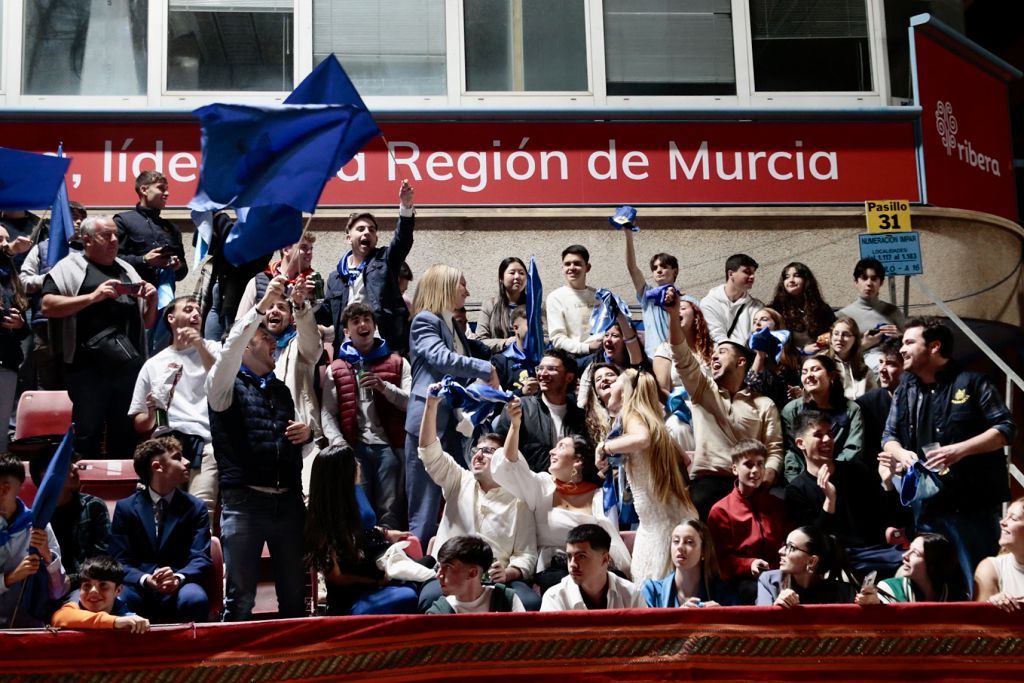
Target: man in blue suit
x,y
162,537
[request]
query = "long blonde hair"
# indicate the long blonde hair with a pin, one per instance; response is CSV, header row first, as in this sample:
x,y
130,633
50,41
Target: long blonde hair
x,y
640,403
437,289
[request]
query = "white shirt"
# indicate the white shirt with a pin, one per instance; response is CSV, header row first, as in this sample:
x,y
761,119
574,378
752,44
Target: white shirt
x,y
482,604
719,312
187,410
557,414
566,595
537,490
568,312
497,516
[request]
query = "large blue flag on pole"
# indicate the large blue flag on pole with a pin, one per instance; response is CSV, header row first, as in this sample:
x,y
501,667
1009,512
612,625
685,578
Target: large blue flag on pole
x,y
534,315
53,481
272,163
62,227
28,180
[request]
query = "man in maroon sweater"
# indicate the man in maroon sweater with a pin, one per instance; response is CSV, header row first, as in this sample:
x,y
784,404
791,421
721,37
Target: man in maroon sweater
x,y
750,524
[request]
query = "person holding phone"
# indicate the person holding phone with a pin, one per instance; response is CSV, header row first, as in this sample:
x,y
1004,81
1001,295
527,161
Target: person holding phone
x,y
103,329
152,245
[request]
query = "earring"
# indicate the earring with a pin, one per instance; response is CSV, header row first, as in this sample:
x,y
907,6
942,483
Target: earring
x,y
575,472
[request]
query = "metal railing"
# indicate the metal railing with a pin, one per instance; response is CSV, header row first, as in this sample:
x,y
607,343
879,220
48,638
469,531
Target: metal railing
x,y
1012,378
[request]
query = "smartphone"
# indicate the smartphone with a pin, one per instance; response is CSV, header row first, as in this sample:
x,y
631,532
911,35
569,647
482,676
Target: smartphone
x,y
869,580
129,288
168,250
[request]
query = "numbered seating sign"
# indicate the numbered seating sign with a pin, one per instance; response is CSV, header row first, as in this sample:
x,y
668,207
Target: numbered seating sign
x,y
887,215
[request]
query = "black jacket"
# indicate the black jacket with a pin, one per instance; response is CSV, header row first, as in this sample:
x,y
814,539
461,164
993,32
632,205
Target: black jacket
x,y
964,404
141,230
381,289
537,435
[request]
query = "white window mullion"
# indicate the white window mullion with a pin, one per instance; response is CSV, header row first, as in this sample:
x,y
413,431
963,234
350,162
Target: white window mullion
x,y
302,39
596,68
156,57
742,53
14,37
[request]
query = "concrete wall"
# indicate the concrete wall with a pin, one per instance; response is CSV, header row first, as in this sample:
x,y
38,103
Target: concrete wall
x,y
963,252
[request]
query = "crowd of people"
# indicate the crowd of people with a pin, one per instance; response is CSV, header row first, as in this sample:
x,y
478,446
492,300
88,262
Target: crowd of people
x,y
717,451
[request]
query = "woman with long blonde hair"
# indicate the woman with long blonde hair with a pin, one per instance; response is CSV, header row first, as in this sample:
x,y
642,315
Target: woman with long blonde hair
x,y
655,468
438,347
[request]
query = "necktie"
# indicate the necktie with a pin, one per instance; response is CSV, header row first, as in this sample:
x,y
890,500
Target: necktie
x,y
158,515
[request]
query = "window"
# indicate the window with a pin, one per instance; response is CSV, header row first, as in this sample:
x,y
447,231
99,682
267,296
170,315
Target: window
x,y
669,47
810,45
81,47
230,45
386,48
525,45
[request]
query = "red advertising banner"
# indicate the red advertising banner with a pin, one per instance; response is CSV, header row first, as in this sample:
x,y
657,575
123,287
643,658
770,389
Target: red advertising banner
x,y
525,163
966,139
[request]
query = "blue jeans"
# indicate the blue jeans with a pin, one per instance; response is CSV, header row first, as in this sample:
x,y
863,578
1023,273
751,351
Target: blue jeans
x,y
975,535
381,467
250,518
422,494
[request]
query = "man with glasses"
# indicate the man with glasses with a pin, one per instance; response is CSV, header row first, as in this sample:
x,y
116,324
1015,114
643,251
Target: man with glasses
x,y
475,505
549,416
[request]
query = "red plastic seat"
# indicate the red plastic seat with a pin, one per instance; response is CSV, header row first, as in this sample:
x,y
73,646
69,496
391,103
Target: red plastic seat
x,y
42,413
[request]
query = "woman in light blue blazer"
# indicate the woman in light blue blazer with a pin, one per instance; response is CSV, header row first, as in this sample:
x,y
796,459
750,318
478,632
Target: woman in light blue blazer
x,y
437,348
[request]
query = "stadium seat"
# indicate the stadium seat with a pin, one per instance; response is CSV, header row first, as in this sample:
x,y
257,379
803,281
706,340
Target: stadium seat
x,y
42,414
110,480
215,582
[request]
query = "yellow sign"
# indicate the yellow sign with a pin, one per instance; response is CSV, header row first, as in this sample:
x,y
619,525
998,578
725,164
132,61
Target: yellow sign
x,y
887,215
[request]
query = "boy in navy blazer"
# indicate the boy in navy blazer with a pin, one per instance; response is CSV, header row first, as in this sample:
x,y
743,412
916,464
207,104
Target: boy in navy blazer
x,y
162,537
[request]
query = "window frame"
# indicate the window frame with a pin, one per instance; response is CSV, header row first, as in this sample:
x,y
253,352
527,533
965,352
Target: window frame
x,y
877,63
547,99
157,96
197,98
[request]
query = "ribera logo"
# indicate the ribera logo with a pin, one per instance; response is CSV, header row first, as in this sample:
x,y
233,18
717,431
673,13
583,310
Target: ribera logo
x,y
947,127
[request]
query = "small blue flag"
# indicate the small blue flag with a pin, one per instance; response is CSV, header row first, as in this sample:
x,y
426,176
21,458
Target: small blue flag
x,y
478,400
62,226
28,180
606,310
625,217
534,315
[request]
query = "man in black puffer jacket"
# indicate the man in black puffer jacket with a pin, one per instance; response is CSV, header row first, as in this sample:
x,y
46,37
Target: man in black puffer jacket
x,y
258,446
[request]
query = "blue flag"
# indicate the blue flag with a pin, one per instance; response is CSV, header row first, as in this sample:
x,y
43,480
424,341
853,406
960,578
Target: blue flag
x,y
62,227
53,481
606,311
534,315
28,180
478,400
272,163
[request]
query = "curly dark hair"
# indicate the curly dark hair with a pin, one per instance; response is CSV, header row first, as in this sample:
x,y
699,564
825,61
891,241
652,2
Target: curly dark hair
x,y
807,312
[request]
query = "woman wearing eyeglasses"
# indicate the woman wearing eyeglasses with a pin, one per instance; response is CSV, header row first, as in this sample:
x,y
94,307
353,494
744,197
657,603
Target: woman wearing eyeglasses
x,y
564,497
810,564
